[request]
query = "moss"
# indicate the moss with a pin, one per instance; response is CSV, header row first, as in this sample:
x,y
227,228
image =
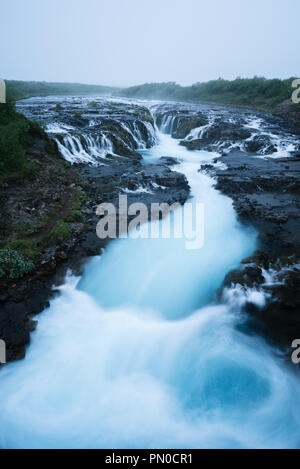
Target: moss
x,y
76,215
28,228
59,233
78,199
58,108
148,118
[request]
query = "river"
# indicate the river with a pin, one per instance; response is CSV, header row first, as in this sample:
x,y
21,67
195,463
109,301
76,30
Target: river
x,y
139,353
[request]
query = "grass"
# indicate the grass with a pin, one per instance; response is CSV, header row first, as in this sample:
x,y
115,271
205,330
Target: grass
x,y
59,233
33,247
16,135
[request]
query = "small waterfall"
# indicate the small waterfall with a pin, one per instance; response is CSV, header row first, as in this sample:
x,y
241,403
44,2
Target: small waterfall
x,y
167,124
152,135
135,134
199,132
84,149
141,141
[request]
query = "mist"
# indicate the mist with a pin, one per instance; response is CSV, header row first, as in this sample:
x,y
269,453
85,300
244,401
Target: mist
x,y
121,43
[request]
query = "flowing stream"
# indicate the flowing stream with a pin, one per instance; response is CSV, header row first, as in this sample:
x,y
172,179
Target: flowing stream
x,y
138,353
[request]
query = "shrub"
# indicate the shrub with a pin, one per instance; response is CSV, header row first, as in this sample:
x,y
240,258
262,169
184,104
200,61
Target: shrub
x,y
13,265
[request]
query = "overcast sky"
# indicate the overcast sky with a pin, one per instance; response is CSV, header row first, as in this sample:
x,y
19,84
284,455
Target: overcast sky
x,y
127,42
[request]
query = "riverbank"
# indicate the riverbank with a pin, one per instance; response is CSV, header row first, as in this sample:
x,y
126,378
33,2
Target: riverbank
x,y
266,195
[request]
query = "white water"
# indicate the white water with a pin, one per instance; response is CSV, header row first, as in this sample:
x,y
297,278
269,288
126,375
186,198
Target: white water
x,y
139,355
72,150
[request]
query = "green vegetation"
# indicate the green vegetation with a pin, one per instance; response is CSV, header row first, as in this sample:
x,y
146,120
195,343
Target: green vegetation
x,y
25,89
13,265
93,104
79,198
59,233
32,247
58,108
254,92
148,118
16,135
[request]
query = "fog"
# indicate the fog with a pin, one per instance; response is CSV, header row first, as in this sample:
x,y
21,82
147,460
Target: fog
x,y
122,43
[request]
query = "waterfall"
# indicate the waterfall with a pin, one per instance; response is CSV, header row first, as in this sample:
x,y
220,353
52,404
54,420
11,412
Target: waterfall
x,y
92,147
167,124
135,132
152,136
138,352
84,149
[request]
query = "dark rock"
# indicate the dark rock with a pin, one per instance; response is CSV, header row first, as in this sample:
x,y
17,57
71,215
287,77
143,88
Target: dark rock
x,y
169,161
249,276
260,144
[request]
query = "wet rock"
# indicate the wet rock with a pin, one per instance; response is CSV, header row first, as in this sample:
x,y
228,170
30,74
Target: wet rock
x,y
260,144
206,167
267,196
169,161
195,144
222,131
184,125
248,276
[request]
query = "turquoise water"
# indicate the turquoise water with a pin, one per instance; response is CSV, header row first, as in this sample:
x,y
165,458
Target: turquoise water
x,y
138,353
162,275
